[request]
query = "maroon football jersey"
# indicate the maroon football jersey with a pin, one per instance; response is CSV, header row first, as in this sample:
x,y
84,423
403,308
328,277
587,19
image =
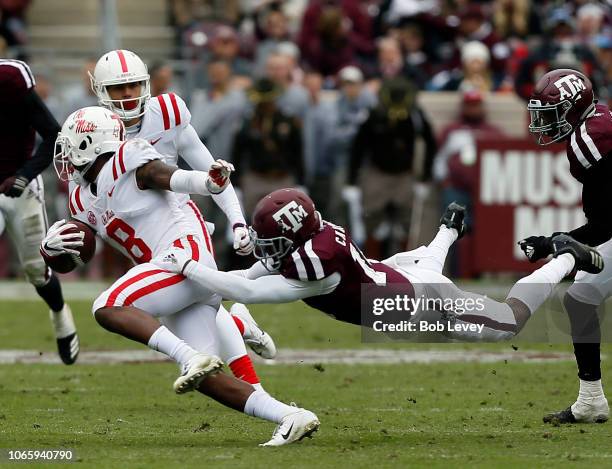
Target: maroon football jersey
x,y
590,143
332,250
16,131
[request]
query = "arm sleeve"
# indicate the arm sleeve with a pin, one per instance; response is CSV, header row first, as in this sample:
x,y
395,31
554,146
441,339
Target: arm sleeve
x,y
47,127
267,289
592,234
195,153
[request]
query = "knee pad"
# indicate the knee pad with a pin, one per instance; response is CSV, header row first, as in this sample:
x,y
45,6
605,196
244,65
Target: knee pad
x,y
37,273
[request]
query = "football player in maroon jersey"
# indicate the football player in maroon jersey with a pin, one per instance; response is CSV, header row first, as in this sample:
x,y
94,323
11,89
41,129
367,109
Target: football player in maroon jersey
x,y
22,204
563,108
304,257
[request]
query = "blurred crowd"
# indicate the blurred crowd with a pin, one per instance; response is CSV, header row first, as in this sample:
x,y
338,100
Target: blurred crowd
x,y
322,94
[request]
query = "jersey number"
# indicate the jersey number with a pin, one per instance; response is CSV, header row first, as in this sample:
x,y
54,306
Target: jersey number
x,y
124,234
379,278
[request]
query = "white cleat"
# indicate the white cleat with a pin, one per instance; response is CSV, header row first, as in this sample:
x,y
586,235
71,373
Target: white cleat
x,y
294,427
591,410
65,334
195,370
255,337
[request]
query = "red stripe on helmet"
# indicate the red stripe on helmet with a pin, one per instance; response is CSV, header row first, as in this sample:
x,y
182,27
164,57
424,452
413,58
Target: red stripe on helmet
x,y
124,67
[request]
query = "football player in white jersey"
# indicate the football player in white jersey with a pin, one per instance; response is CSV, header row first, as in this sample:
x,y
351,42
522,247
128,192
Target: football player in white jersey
x,y
121,82
132,200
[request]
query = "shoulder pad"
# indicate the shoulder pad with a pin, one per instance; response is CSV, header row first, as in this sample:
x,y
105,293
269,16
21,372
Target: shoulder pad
x,y
173,110
131,155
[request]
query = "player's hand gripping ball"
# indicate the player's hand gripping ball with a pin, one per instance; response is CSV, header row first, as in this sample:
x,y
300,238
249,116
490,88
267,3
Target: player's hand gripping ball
x,y
68,245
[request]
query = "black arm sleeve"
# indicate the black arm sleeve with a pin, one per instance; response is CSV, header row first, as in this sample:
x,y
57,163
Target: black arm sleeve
x,y
592,234
47,127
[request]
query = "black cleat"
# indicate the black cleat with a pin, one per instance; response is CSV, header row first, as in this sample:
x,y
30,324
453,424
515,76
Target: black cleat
x,y
563,416
454,217
587,258
68,348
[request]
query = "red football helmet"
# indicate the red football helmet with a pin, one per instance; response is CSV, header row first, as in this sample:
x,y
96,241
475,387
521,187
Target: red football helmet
x,y
561,100
282,221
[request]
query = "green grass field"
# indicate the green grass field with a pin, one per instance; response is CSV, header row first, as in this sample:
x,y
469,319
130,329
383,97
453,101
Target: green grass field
x,y
417,415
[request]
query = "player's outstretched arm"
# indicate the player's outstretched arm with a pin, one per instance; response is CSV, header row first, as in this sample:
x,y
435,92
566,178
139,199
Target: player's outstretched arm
x,y
267,289
195,153
157,175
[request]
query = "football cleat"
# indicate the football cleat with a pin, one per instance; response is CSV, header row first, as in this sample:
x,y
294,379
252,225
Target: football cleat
x,y
587,258
596,411
195,370
65,334
258,340
454,217
294,427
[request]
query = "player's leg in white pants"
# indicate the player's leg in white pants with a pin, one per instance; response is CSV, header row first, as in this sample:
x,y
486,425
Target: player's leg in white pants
x,y
26,223
233,350
582,301
500,320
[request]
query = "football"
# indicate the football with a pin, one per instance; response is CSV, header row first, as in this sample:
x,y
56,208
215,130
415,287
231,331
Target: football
x,y
65,263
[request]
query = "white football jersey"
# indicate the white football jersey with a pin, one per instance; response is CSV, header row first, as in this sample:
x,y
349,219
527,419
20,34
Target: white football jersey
x,y
140,224
166,116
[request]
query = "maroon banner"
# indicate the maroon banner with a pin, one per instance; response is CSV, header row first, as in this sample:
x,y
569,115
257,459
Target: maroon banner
x,y
522,190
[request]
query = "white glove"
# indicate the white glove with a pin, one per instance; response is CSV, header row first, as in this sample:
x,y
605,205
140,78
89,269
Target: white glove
x,y
243,244
219,176
175,260
55,243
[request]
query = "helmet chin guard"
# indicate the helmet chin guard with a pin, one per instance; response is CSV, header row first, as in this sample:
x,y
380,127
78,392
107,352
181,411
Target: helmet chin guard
x,y
119,67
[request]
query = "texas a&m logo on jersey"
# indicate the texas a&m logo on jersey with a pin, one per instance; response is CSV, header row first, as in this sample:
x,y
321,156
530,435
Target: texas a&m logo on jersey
x,y
290,216
569,86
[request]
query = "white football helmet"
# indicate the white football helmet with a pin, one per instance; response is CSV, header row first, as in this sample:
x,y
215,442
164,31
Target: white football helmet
x,y
118,67
86,134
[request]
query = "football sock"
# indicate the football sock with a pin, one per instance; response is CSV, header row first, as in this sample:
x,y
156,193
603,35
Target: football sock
x,y
590,390
586,335
439,246
535,289
51,292
242,368
260,404
166,342
239,324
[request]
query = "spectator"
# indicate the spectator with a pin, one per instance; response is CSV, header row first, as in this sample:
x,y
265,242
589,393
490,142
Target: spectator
x,y
511,18
336,33
390,60
216,113
604,74
224,45
384,152
418,64
590,18
292,98
268,148
560,49
77,97
162,77
276,32
340,120
325,39
474,75
13,27
474,26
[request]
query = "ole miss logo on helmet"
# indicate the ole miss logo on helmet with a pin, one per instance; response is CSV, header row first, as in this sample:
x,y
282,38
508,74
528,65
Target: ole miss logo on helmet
x,y
290,216
569,86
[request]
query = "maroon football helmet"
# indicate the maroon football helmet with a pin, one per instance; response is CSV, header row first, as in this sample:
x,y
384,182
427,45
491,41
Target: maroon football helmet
x,y
282,221
561,100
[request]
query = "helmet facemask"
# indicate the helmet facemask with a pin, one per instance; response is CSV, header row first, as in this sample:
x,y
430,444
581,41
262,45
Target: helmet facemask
x,y
548,121
270,251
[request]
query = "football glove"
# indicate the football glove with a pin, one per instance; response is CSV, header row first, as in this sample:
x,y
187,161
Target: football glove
x,y
55,243
174,261
536,247
14,186
243,244
219,176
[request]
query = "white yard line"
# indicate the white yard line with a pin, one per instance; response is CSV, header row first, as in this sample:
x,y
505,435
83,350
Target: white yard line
x,y
306,357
